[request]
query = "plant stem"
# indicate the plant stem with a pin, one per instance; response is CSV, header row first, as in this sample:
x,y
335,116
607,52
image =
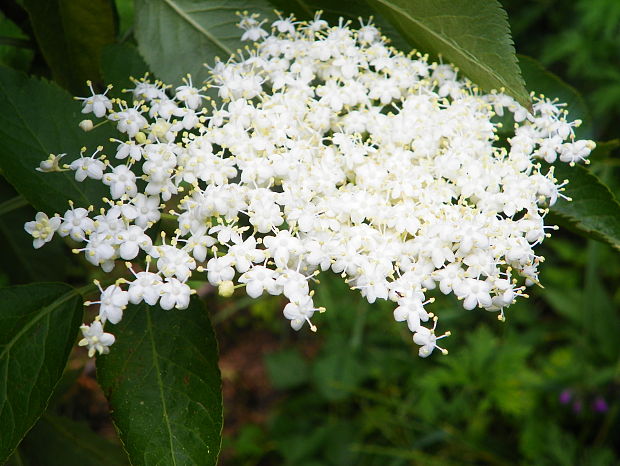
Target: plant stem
x,y
12,204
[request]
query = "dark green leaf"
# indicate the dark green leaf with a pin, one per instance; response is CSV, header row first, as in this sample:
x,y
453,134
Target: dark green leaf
x,y
120,62
29,135
21,262
539,80
59,441
600,319
474,35
605,149
124,10
163,384
594,210
16,50
38,324
71,35
177,37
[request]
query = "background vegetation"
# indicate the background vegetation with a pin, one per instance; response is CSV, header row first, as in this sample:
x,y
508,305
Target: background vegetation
x,y
541,388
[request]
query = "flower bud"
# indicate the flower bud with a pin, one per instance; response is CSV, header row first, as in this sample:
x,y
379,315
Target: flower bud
x,y
226,289
86,125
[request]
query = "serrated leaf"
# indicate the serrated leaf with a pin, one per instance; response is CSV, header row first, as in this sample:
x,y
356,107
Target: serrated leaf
x,y
474,35
177,37
594,210
38,324
29,135
71,35
163,384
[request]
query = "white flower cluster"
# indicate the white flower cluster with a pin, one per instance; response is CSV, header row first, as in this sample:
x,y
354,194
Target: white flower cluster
x,y
326,150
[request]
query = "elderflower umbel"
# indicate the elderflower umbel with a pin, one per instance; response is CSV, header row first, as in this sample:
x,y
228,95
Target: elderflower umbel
x,y
327,149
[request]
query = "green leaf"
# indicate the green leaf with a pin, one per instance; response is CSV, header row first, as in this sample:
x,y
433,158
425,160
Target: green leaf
x,y
474,35
71,35
177,37
600,319
22,263
594,210
120,62
163,384
38,324
59,441
16,50
29,135
605,149
539,80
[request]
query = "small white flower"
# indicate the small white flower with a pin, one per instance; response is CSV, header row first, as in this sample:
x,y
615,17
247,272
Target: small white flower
x,y
77,224
189,94
98,104
147,210
99,250
427,340
219,269
300,311
42,229
129,121
175,262
174,294
129,148
51,164
96,339
474,293
132,240
411,309
113,301
90,167
146,286
258,279
121,181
